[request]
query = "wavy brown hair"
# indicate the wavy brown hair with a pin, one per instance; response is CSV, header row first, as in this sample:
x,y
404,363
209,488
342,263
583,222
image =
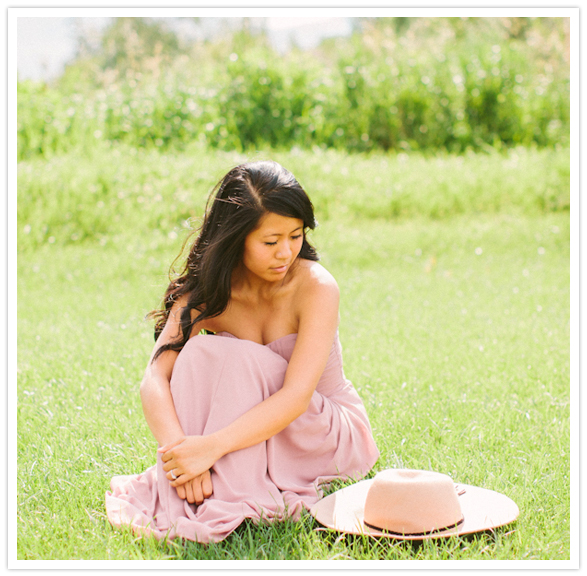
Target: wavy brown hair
x,y
233,210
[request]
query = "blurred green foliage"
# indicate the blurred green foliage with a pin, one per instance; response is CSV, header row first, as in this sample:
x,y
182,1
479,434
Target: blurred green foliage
x,y
395,84
125,192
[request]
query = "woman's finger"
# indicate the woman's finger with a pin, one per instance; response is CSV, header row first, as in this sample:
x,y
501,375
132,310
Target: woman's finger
x,y
189,492
181,492
169,446
170,477
197,487
180,480
207,488
169,455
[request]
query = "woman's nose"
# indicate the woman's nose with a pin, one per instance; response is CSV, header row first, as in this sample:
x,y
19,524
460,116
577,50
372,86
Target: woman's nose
x,y
284,251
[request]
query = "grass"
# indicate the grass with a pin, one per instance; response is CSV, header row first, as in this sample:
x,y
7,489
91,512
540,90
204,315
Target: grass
x,y
455,333
124,192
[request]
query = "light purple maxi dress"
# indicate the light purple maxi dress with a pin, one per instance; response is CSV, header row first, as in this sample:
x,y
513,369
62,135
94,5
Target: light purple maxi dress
x,y
216,378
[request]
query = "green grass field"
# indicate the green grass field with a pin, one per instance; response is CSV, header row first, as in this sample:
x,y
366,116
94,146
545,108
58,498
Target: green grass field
x,y
454,325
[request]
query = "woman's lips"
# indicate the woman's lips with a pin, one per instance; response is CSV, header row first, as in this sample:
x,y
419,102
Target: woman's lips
x,y
280,268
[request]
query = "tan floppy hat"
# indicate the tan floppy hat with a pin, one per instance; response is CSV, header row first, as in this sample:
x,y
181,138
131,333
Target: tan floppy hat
x,y
414,505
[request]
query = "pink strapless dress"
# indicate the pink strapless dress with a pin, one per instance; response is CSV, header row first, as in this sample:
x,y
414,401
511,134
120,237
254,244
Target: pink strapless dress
x,y
216,378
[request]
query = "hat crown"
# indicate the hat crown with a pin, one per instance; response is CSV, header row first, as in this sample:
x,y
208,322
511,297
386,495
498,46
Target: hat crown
x,y
412,502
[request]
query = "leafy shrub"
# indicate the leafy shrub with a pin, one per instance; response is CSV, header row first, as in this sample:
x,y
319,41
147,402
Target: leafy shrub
x,y
437,84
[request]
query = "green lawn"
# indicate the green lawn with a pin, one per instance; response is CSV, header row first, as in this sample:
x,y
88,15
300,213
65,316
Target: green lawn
x,y
455,332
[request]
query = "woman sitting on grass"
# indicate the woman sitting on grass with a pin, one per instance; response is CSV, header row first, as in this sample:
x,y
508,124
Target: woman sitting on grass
x,y
254,415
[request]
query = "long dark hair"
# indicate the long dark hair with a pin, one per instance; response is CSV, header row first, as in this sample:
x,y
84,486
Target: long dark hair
x,y
233,210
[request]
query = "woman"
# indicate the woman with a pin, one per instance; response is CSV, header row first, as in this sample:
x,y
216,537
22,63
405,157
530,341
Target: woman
x,y
254,415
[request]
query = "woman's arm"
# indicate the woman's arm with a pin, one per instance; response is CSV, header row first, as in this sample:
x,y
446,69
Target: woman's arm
x,y
158,406
318,321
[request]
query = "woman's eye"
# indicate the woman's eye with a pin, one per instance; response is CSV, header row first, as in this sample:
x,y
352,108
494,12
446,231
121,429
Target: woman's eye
x,y
275,243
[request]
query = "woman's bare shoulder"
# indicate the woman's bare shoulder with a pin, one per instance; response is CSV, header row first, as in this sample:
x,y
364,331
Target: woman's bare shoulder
x,y
314,278
317,301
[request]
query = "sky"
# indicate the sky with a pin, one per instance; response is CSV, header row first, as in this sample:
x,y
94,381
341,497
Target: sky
x,y
46,44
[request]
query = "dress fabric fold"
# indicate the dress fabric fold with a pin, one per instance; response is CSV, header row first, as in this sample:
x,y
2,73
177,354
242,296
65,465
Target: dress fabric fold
x,y
217,378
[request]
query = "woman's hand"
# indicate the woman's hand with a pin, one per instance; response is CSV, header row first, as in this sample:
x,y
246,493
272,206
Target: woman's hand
x,y
196,490
189,457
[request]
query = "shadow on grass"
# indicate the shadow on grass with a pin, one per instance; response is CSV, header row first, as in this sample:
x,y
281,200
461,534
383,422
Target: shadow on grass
x,y
481,545
306,539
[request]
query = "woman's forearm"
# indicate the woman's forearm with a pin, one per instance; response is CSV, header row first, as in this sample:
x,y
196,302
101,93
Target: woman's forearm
x,y
260,422
159,411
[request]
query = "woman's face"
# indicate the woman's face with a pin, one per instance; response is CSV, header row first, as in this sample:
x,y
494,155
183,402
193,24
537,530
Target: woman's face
x,y
272,247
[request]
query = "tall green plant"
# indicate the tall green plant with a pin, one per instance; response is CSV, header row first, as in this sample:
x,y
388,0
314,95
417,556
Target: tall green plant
x,y
429,84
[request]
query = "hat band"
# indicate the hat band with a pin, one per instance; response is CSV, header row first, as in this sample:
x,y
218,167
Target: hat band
x,y
416,533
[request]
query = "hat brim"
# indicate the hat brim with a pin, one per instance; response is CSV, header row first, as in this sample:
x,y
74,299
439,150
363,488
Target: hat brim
x,y
482,510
